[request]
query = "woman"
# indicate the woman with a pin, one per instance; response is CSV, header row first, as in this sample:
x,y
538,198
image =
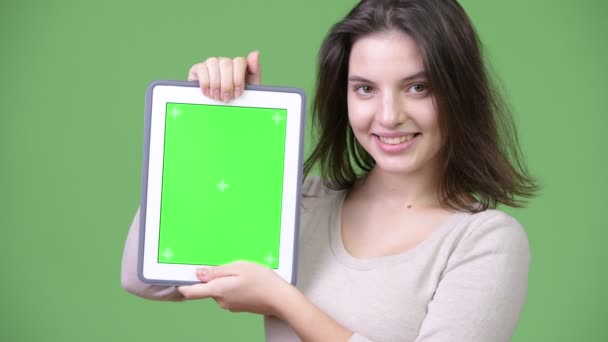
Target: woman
x,y
400,239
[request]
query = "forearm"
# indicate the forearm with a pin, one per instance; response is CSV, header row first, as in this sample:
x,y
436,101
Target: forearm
x,y
308,321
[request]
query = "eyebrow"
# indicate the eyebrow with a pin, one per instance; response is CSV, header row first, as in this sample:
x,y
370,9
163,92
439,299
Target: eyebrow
x,y
420,74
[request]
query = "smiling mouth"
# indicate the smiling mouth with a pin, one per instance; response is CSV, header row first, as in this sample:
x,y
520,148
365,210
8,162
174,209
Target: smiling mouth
x,y
397,140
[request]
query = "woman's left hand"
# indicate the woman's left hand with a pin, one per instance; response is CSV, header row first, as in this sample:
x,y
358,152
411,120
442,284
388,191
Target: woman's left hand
x,y
240,286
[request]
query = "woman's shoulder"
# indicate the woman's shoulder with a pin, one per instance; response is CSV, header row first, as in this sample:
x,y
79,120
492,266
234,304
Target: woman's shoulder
x,y
493,218
315,186
318,197
494,229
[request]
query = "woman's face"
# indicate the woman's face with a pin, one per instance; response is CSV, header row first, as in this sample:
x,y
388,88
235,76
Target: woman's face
x,y
390,107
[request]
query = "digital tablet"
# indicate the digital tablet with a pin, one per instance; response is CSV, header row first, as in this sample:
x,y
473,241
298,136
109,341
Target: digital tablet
x,y
221,181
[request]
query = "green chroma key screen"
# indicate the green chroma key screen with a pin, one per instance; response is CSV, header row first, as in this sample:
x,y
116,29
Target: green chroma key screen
x,y
222,184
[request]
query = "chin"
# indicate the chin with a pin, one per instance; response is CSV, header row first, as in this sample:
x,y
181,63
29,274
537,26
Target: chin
x,y
395,167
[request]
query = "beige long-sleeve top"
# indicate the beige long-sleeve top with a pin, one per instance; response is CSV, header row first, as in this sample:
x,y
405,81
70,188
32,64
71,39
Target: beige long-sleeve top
x,y
467,281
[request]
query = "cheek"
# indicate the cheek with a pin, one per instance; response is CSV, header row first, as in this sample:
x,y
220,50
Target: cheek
x,y
360,113
427,117
431,126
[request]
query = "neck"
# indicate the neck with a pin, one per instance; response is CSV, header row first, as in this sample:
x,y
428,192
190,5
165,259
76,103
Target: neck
x,y
418,189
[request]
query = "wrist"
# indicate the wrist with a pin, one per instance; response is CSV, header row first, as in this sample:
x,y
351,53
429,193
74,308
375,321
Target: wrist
x,y
283,302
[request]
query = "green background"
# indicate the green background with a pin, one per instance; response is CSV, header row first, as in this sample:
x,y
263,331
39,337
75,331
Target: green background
x,y
207,147
73,77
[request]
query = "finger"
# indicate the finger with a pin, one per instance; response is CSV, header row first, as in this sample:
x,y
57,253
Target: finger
x,y
212,289
254,70
199,72
213,69
211,273
198,291
192,73
226,80
239,68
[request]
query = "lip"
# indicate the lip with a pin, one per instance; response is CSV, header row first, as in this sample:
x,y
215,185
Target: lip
x,y
389,148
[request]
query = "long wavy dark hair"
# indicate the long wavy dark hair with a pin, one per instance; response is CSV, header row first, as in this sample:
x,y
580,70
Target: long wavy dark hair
x,y
481,154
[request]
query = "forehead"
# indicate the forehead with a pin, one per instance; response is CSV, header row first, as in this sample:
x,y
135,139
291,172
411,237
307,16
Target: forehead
x,y
385,55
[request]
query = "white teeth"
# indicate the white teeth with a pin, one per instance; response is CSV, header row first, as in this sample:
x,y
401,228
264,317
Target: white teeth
x,y
396,140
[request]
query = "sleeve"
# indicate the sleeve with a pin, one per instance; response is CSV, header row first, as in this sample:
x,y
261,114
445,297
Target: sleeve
x,y
482,290
129,279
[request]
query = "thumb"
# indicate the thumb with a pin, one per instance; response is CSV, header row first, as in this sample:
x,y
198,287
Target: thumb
x,y
212,289
207,274
254,70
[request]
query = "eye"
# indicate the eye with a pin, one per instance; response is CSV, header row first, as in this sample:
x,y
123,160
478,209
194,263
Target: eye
x,y
364,89
418,88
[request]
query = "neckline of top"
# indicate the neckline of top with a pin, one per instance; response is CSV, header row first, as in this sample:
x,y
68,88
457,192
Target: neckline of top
x,y
337,246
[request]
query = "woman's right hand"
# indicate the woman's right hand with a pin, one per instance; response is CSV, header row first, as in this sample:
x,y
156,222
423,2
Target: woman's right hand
x,y
223,78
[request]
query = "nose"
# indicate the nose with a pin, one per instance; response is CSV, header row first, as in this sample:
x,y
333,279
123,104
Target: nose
x,y
391,112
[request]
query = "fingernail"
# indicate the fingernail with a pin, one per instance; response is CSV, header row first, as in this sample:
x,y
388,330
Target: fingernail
x,y
201,272
226,97
206,91
237,91
216,94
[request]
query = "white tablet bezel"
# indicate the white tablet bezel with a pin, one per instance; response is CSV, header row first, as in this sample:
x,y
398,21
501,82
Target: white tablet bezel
x,y
158,95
